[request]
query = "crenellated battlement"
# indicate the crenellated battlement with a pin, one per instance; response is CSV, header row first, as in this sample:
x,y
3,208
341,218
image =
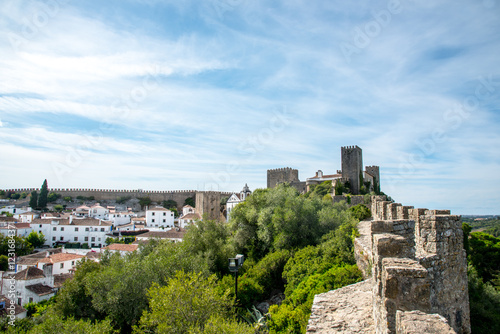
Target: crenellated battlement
x,y
353,147
416,271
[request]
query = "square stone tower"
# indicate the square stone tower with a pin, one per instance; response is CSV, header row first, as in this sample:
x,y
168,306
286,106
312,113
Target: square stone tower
x,y
352,166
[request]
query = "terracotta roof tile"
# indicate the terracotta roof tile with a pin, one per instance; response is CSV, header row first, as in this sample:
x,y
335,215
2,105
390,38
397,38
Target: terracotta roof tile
x,y
28,274
40,289
122,247
18,308
61,257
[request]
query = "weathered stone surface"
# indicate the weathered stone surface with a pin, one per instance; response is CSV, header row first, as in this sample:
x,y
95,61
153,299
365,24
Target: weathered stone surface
x,y
345,310
417,263
417,322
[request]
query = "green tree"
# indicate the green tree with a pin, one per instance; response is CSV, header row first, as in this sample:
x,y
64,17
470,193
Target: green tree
x,y
190,201
144,201
54,322
42,197
58,207
360,212
4,263
192,300
484,305
15,196
74,300
210,241
36,239
21,246
67,198
52,197
484,255
169,204
118,289
277,218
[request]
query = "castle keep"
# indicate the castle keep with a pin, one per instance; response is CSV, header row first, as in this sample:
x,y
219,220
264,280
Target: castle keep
x,y
352,174
416,271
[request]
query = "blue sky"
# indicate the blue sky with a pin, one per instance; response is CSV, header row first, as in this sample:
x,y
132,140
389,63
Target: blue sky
x,y
164,95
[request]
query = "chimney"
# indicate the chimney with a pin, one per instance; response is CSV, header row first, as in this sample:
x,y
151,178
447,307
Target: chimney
x,y
71,220
319,173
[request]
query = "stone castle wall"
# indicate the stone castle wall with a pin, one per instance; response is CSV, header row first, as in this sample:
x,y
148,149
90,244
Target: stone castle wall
x,y
416,271
178,196
282,175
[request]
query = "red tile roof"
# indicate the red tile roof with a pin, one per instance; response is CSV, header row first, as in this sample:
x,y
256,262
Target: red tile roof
x,y
28,274
122,247
60,257
40,289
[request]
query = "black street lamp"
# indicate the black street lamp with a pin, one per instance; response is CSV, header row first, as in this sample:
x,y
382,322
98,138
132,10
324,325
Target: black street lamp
x,y
235,264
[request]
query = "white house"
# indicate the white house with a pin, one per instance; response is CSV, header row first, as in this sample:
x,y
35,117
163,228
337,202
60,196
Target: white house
x,y
236,199
27,217
89,231
19,229
187,209
98,212
31,285
63,263
81,211
159,217
31,260
7,306
188,219
120,218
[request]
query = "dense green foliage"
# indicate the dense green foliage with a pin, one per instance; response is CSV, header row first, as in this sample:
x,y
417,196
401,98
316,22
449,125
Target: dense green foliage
x,y
483,255
144,201
34,199
52,197
278,218
190,201
22,246
36,239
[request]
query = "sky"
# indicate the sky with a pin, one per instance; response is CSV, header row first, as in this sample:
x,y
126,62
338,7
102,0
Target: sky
x,y
209,95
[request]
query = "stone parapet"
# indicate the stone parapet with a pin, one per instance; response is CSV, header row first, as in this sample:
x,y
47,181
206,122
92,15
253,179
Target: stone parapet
x,y
416,263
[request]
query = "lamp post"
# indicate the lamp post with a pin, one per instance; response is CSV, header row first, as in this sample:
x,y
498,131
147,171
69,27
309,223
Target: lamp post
x,y
235,264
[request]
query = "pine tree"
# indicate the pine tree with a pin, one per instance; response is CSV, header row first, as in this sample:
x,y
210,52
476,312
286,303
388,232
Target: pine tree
x,y
34,199
42,198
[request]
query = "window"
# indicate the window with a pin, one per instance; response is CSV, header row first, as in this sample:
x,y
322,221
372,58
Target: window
x,y
62,228
152,220
31,299
102,229
72,263
98,239
164,213
76,229
76,238
40,226
62,265
152,214
53,238
86,238
54,228
62,238
93,239
86,229
164,220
